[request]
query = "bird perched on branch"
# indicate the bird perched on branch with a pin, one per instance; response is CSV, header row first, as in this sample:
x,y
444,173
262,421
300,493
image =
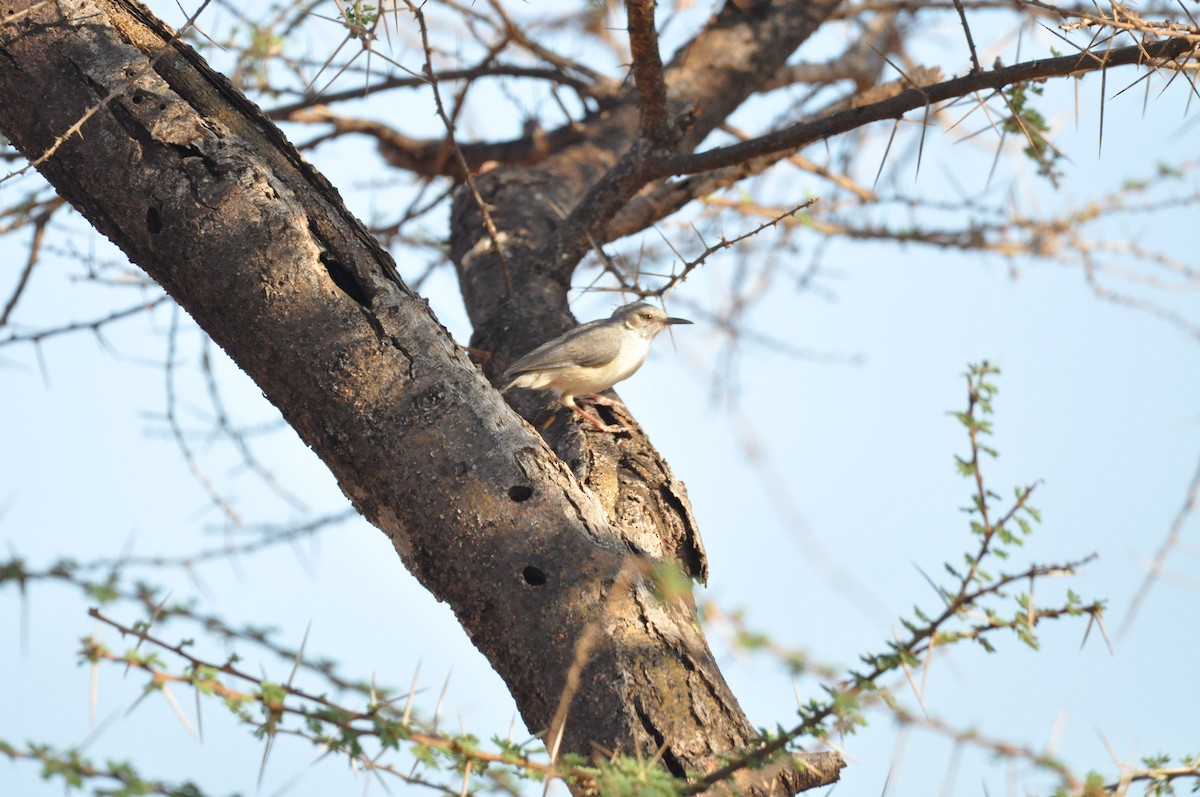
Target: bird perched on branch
x,y
592,357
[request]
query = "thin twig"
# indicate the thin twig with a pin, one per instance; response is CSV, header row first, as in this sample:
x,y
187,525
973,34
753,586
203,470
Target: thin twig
x,y
484,210
1190,502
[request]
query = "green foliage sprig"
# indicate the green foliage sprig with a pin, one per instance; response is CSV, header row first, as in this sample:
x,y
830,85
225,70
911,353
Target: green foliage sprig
x,y
971,605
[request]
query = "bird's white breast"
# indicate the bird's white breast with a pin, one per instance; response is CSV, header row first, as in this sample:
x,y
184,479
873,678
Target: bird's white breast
x,y
577,381
634,349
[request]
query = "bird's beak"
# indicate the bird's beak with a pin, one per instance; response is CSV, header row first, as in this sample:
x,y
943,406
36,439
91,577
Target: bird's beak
x,y
670,321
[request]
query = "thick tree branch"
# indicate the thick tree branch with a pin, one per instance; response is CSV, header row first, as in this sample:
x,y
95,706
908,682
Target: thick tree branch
x,y
656,128
433,158
724,166
803,133
670,196
617,189
713,74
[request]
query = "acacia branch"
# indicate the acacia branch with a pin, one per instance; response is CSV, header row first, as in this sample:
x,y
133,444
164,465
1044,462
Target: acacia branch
x,y
1178,48
39,222
613,194
598,90
202,674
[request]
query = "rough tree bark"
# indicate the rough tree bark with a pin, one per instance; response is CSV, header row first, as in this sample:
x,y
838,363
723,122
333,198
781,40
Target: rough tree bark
x,y
205,194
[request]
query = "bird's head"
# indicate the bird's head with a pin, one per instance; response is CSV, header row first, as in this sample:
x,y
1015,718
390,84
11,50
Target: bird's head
x,y
645,318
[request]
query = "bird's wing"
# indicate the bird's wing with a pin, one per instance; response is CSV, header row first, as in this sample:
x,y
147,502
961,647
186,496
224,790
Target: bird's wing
x,y
588,345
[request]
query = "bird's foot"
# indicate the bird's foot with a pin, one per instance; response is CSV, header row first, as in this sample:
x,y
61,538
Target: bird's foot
x,y
612,427
604,401
599,424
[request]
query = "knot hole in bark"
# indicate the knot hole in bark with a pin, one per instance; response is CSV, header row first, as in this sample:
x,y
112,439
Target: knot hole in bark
x,y
343,279
520,492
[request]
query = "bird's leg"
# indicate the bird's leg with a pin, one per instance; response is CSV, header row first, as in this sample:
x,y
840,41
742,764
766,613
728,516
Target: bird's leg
x,y
592,419
604,401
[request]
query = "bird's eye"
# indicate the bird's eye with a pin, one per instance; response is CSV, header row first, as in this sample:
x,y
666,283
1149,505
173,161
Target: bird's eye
x,y
647,316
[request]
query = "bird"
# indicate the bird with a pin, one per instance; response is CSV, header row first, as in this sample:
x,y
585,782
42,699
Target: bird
x,y
592,357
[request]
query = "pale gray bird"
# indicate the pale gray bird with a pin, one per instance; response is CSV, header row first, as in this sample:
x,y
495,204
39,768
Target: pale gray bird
x,y
592,357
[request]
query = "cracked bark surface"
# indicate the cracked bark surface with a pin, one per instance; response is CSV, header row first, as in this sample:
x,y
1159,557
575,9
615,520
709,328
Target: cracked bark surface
x,y
207,196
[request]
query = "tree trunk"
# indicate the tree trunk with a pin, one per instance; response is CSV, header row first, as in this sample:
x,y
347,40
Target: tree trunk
x,y
544,571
